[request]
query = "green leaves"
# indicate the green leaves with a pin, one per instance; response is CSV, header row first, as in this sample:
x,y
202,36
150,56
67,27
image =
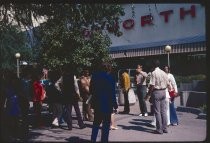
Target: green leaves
x,y
61,37
12,40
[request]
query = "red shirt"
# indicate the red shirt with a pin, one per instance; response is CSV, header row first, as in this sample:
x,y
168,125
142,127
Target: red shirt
x,y
38,91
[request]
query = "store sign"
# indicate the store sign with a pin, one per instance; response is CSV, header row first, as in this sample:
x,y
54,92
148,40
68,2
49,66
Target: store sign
x,y
148,19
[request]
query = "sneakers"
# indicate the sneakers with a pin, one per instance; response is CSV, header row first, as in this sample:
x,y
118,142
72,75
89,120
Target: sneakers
x,y
174,124
145,114
55,123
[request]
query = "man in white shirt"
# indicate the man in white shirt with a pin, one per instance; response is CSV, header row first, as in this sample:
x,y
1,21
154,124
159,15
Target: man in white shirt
x,y
158,84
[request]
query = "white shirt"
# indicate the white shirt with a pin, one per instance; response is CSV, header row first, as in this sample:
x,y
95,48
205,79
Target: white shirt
x,y
159,79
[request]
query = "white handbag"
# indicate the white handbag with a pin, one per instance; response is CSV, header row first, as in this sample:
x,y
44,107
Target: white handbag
x,y
131,96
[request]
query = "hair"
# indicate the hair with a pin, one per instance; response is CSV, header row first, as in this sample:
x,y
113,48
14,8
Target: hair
x,y
106,67
169,70
54,75
155,63
139,65
85,71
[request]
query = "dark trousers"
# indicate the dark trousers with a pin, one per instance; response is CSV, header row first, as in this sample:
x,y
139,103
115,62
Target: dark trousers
x,y
56,110
37,110
126,102
159,105
141,93
69,117
105,119
173,115
24,115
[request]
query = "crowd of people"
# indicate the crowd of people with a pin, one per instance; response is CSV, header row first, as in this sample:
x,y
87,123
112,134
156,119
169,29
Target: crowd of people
x,y
61,90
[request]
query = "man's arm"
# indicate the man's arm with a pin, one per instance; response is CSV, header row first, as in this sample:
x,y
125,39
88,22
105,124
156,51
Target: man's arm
x,y
151,88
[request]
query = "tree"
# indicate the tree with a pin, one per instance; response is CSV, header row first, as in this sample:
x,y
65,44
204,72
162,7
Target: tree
x,y
78,34
12,40
72,33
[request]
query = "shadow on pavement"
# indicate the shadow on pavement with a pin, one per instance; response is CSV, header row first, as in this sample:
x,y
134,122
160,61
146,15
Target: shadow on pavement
x,y
141,125
76,139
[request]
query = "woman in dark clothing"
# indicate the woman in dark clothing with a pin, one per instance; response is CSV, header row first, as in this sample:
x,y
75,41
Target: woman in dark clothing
x,y
54,97
70,98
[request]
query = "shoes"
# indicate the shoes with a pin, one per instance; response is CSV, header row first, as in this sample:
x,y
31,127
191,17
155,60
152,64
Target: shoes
x,y
69,128
55,122
165,131
54,126
174,124
145,114
157,132
113,128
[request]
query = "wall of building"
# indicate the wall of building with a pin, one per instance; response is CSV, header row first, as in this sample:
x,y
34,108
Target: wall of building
x,y
160,30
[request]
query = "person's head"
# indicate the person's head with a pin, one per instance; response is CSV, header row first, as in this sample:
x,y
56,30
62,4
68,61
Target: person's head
x,y
139,68
155,63
26,72
53,76
37,74
68,69
45,72
167,69
107,67
85,72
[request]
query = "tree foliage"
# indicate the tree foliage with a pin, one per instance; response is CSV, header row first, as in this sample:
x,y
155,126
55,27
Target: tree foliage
x,y
12,40
62,37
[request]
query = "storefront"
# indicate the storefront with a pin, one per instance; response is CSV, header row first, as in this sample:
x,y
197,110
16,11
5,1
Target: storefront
x,y
145,35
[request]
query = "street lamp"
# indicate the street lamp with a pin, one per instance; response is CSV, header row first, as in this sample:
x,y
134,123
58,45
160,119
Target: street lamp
x,y
168,50
17,55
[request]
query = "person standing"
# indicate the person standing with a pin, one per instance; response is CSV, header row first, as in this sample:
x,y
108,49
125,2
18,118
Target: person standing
x,y
141,89
54,97
158,84
13,111
26,90
102,88
173,87
84,84
125,85
39,95
71,96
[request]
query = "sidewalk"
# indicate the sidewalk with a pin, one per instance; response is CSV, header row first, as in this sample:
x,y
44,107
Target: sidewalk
x,y
132,128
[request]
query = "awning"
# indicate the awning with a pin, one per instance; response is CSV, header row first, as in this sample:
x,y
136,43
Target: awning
x,y
190,44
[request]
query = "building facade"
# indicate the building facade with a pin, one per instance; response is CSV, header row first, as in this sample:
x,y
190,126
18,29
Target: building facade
x,y
151,27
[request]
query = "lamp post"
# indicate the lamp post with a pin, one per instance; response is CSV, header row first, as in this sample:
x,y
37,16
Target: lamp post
x,y
17,55
168,50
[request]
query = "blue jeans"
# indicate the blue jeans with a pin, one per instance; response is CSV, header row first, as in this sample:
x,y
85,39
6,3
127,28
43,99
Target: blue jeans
x,y
173,115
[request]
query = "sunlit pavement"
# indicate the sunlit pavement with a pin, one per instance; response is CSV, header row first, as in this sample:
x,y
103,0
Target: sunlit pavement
x,y
131,127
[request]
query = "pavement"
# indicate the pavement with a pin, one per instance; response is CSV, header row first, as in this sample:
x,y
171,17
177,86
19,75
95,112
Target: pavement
x,y
131,128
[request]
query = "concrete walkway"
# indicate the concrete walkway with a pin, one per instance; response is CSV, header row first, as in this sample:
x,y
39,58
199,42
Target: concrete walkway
x,y
132,128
